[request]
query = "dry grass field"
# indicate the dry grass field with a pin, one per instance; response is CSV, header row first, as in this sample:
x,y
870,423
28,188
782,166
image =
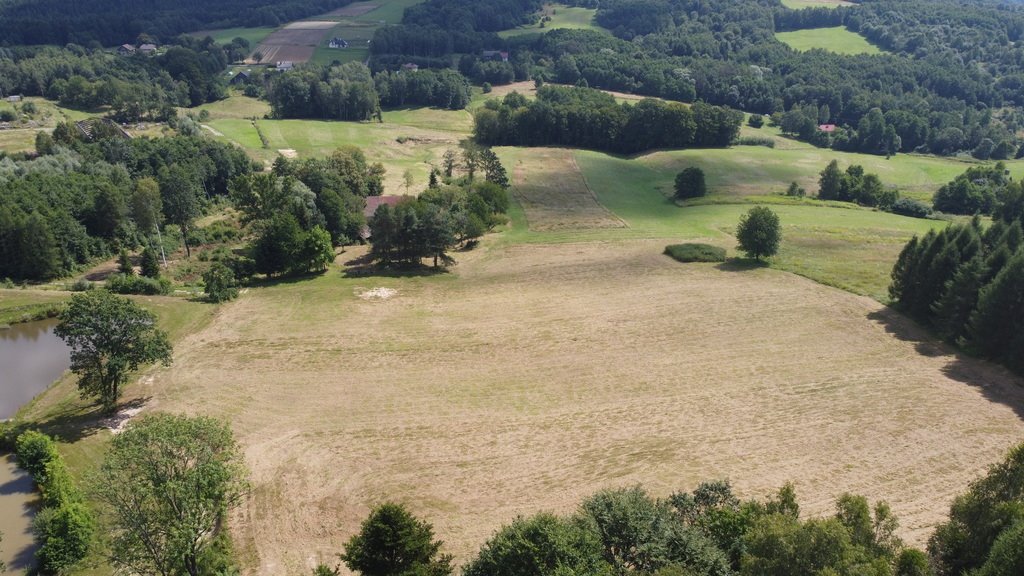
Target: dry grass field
x,y
550,188
537,374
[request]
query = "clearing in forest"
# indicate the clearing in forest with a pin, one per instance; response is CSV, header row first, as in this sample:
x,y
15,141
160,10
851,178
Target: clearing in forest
x,y
798,4
538,374
561,16
554,194
836,39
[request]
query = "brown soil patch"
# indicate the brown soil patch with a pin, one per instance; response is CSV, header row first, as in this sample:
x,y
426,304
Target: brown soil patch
x,y
544,373
555,196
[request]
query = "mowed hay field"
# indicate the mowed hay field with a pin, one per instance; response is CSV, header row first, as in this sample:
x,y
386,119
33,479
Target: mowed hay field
x,y
537,374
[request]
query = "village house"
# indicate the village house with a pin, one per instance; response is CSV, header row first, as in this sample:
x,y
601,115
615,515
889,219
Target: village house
x,y
495,55
147,48
410,67
239,79
372,203
827,128
284,65
126,49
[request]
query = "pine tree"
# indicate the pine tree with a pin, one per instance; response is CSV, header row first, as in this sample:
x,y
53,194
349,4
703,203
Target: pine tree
x,y
940,270
830,183
997,326
150,263
953,309
902,272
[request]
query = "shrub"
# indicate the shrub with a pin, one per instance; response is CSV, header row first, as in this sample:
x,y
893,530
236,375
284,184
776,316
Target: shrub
x,y
393,541
64,532
695,252
690,183
755,121
34,450
220,283
756,141
124,284
911,207
81,285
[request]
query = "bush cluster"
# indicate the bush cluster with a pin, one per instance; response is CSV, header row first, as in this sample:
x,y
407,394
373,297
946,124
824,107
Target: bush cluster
x,y
65,526
696,252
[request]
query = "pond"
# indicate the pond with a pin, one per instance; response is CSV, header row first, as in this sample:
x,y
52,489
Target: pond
x,y
31,358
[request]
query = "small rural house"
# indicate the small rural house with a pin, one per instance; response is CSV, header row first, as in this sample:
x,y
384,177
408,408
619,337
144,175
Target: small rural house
x,y
147,48
284,65
372,203
495,55
14,98
827,128
410,67
126,49
238,79
337,43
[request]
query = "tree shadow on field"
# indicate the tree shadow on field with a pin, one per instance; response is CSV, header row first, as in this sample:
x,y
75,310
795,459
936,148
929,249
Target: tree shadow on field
x,y
741,265
363,266
995,382
76,421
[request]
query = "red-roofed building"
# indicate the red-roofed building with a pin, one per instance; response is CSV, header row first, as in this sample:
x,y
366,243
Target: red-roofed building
x,y
374,202
827,127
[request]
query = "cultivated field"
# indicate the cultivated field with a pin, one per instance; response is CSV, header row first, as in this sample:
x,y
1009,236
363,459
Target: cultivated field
x,y
552,192
536,375
562,16
294,42
837,39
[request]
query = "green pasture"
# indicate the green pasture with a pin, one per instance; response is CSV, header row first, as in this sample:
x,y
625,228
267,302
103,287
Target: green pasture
x,y
837,39
389,11
562,16
798,4
226,35
358,35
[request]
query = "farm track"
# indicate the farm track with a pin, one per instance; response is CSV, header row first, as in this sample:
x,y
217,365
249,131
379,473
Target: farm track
x,y
544,373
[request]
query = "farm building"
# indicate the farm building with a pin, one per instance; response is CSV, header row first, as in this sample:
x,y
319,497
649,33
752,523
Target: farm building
x,y
495,55
337,43
14,98
126,49
372,203
827,127
147,48
284,65
239,79
409,66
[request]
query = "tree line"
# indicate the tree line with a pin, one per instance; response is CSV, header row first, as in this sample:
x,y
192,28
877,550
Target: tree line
x,y
589,118
712,532
967,283
350,92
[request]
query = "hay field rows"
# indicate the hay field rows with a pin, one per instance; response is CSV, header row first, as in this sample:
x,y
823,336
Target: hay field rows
x,y
537,374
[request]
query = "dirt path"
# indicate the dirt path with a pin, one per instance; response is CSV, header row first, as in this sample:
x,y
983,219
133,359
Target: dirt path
x,y
545,373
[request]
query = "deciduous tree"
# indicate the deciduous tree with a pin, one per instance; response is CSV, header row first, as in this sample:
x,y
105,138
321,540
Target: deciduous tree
x,y
110,337
759,232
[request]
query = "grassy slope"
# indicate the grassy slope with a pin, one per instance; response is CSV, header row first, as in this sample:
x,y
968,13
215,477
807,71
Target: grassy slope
x,y
561,17
226,35
837,39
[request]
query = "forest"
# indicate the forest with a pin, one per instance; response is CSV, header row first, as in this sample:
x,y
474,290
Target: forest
x,y
135,88
941,89
586,118
98,23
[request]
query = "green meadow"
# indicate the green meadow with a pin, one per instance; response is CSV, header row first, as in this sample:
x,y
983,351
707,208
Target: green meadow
x,y
561,17
837,39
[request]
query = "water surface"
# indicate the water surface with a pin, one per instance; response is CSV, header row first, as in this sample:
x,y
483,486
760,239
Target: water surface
x,y
31,358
